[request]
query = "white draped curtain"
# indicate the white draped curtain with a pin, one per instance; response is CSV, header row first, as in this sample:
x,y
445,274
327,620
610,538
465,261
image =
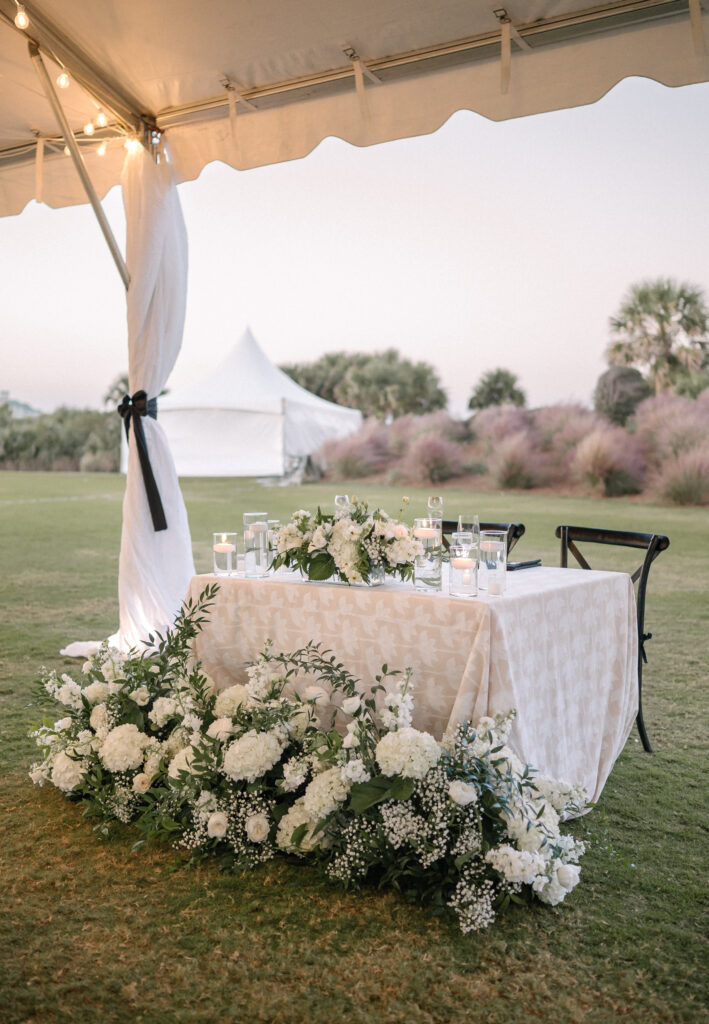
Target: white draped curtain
x,y
155,566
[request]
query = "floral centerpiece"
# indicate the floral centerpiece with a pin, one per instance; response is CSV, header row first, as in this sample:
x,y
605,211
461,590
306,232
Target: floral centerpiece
x,y
353,545
302,759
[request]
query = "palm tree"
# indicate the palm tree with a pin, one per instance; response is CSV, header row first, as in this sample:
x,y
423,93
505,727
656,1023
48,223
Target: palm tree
x,y
661,329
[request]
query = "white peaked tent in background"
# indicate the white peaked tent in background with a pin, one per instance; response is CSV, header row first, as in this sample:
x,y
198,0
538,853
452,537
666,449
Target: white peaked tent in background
x,y
248,418
255,82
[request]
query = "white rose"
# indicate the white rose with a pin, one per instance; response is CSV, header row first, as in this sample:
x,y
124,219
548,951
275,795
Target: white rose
x,y
257,828
217,825
141,783
351,740
141,696
568,876
99,718
62,724
351,704
462,793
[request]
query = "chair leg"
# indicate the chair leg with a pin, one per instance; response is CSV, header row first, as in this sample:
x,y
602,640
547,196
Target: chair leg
x,y
639,720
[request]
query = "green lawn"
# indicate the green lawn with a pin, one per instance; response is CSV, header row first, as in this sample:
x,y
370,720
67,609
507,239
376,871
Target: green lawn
x,y
93,932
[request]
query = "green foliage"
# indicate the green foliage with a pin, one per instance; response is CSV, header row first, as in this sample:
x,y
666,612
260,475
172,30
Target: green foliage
x,y
619,390
496,387
661,329
380,384
65,439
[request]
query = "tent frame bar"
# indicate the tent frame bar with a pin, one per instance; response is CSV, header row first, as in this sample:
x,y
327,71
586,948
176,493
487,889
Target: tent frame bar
x,y
78,160
591,19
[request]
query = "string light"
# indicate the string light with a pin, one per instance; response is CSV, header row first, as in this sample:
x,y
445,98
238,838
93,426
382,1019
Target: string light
x,y
21,19
132,144
101,120
67,151
89,129
101,149
63,80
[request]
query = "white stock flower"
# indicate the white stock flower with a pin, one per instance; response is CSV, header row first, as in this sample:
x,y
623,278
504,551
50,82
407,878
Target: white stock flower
x,y
123,748
407,752
217,825
462,793
520,866
252,755
354,771
229,700
325,793
66,773
98,719
69,693
295,772
257,828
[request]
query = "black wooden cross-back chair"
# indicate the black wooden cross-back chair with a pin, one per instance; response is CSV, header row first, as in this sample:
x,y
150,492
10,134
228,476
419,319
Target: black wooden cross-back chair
x,y
653,544
514,531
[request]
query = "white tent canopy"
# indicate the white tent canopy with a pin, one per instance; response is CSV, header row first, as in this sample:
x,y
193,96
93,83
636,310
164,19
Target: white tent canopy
x,y
253,82
248,418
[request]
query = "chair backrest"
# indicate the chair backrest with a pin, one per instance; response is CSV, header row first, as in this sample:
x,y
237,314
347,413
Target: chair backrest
x,y
652,544
514,531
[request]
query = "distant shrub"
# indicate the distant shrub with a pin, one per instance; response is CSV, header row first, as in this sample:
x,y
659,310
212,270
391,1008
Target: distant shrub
x,y
618,392
670,425
685,480
559,430
100,462
499,421
516,463
610,458
359,455
432,459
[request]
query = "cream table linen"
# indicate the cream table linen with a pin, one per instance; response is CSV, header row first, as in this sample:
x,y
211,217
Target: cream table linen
x,y
560,646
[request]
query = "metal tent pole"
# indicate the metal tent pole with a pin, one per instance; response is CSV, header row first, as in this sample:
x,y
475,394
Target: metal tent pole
x,y
79,162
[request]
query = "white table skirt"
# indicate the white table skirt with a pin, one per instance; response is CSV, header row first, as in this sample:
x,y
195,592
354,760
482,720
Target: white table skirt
x,y
560,646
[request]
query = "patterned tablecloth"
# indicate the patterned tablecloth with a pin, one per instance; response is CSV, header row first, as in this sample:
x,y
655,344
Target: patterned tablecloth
x,y
560,646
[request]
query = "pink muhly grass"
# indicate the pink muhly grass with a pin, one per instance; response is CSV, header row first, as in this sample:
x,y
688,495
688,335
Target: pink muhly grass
x,y
610,458
498,422
671,424
432,459
517,463
362,454
685,480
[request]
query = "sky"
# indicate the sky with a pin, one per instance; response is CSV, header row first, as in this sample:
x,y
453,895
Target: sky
x,y
483,245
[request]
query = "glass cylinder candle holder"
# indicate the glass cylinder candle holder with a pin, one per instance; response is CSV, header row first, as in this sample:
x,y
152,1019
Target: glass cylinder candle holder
x,y
427,566
435,506
256,554
463,580
224,551
493,561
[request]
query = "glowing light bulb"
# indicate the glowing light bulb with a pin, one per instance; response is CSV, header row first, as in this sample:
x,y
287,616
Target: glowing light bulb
x,y
67,151
89,129
21,19
101,120
132,144
63,80
101,149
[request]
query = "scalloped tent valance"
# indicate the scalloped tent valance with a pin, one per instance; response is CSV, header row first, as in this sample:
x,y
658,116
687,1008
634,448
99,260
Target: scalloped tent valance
x,y
254,82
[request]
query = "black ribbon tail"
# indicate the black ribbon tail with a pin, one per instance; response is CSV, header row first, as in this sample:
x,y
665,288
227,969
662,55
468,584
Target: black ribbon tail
x,y
134,409
643,638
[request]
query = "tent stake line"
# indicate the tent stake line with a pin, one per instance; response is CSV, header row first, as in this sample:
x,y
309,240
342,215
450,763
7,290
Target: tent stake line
x,y
79,162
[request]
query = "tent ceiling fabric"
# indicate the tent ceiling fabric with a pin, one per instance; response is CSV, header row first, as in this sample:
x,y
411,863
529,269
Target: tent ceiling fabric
x,y
363,70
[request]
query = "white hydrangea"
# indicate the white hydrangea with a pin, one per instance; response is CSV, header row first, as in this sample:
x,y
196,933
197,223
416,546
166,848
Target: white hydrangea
x,y
229,700
407,752
252,755
295,772
66,773
163,709
96,693
123,748
69,693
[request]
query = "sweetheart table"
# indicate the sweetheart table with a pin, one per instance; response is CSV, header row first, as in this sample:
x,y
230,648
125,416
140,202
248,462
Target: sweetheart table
x,y
560,646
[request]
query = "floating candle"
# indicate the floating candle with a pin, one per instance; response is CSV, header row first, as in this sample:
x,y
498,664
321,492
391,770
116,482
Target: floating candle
x,y
426,533
462,563
224,549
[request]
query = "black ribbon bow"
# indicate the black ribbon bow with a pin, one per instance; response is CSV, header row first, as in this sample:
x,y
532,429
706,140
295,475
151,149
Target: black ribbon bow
x,y
134,408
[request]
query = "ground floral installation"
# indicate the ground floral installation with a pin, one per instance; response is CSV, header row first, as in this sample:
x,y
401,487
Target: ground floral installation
x,y
300,760
352,544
